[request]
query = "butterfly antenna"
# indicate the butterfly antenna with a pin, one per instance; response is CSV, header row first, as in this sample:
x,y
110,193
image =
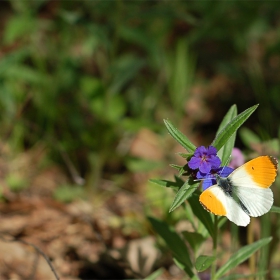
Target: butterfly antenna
x,y
198,180
203,179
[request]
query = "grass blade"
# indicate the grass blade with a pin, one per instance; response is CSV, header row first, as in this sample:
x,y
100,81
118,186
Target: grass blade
x,y
174,242
228,131
179,136
241,255
225,152
185,192
204,216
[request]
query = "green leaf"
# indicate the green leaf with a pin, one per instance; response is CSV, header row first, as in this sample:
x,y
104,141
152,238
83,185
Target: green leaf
x,y
203,262
155,274
204,216
275,209
174,242
180,169
168,184
232,127
182,267
241,255
179,136
225,152
195,239
184,155
176,166
185,191
242,276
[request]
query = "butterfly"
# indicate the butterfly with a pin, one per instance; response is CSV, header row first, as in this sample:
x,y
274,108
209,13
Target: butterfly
x,y
244,193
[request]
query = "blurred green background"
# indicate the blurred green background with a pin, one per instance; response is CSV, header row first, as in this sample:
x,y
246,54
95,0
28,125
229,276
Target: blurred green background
x,y
85,86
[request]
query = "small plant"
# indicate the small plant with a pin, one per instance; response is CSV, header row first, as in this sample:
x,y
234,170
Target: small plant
x,y
209,165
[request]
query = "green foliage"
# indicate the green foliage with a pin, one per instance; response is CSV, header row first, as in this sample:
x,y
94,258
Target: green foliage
x,y
224,155
174,242
203,262
89,73
155,274
184,193
68,193
179,137
194,239
230,129
241,255
205,217
16,182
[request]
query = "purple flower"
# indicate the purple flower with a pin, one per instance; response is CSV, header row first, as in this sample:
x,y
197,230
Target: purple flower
x,y
204,159
237,158
210,178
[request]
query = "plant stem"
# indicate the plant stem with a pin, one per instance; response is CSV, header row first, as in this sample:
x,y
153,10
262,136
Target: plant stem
x,y
250,240
215,239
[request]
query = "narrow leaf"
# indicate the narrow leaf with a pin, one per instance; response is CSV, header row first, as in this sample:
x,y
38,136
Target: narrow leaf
x,y
166,183
155,274
181,169
195,239
182,267
203,215
203,262
185,191
232,113
184,155
275,209
179,136
241,255
242,276
225,152
176,166
232,127
174,242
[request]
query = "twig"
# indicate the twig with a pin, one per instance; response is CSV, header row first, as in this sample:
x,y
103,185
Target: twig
x,y
38,250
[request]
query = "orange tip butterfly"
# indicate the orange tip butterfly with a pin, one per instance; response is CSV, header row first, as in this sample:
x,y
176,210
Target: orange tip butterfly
x,y
244,193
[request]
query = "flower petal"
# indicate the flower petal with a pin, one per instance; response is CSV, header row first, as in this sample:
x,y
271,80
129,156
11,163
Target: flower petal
x,y
200,151
194,162
208,183
200,175
212,151
214,161
225,171
204,167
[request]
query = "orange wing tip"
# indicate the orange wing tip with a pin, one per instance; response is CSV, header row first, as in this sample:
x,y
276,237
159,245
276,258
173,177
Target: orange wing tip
x,y
212,204
262,170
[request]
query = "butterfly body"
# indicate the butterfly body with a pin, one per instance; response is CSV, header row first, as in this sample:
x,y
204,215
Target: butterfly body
x,y
244,193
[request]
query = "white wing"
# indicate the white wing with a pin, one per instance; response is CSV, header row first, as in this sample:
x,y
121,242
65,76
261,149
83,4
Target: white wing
x,y
258,201
214,199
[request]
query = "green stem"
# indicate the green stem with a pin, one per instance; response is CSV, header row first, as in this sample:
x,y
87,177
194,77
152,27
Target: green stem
x,y
215,239
250,240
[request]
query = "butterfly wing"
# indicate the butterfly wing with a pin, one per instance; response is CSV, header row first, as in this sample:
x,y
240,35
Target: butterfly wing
x,y
259,173
251,183
217,202
257,201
